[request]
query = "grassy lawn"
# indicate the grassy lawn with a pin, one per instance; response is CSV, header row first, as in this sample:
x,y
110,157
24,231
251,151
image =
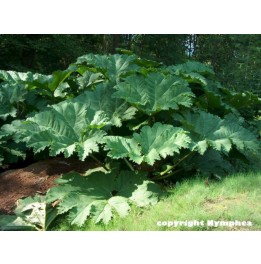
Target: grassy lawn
x,y
236,197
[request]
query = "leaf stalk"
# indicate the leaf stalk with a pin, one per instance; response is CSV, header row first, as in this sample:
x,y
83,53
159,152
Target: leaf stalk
x,y
128,164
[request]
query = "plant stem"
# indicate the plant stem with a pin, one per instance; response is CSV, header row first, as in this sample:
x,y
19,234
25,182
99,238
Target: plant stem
x,y
98,161
162,174
128,164
166,176
176,164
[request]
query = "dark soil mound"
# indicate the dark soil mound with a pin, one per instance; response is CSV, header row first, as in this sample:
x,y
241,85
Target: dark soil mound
x,y
35,178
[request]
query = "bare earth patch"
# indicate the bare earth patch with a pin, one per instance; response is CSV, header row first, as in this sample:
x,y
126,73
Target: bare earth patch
x,y
224,204
35,178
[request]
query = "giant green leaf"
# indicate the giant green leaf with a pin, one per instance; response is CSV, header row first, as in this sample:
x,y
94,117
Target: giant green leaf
x,y
89,78
14,77
65,128
151,144
155,92
10,96
193,72
112,66
121,147
10,150
14,223
31,80
99,195
34,90
241,100
213,102
192,67
117,110
207,130
31,213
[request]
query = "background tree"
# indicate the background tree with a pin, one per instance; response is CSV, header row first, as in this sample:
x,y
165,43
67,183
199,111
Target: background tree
x,y
235,58
45,53
169,49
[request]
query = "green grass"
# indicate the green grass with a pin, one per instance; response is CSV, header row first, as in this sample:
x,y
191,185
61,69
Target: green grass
x,y
236,197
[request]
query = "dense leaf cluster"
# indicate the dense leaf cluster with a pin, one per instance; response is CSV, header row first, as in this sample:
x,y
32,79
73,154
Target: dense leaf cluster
x,y
131,107
158,120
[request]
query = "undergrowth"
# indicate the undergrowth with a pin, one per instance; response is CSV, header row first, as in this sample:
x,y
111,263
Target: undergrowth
x,y
236,197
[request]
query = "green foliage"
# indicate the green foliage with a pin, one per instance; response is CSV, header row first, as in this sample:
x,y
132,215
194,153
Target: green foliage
x,y
31,213
236,196
66,128
45,52
153,143
235,59
192,67
208,130
11,94
126,92
10,151
113,67
211,163
101,194
241,100
158,121
116,110
23,93
169,49
155,92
